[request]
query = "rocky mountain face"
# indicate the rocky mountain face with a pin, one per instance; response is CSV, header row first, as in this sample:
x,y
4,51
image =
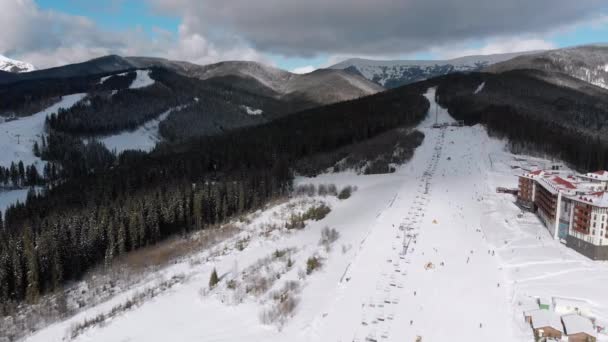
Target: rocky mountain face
x,y
14,66
587,63
392,74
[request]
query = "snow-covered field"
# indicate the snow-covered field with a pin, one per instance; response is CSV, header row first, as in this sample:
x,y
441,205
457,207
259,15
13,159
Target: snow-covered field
x,y
17,137
468,262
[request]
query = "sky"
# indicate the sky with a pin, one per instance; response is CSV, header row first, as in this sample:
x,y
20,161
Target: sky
x,y
292,34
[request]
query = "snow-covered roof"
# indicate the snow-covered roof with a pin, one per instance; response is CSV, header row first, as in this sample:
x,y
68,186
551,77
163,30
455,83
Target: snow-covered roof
x,y
570,302
575,324
533,174
545,318
600,175
597,199
564,182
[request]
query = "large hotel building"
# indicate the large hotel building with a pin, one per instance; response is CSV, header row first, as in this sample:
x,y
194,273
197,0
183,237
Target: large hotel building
x,y
574,208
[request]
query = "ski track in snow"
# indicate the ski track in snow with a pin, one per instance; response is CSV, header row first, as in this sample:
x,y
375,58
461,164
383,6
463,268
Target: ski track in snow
x,y
440,210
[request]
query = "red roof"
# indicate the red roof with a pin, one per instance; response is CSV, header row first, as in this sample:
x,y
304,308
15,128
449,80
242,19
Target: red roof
x,y
601,172
563,182
537,172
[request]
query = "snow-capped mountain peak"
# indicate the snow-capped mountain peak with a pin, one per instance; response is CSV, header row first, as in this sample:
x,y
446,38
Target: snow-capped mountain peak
x,y
12,65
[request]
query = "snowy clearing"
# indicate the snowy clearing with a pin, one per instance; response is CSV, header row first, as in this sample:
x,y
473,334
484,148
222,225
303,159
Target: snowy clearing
x,y
430,251
143,138
142,80
253,111
17,137
105,78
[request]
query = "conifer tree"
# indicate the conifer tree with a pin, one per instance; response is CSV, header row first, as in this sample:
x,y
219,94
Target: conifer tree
x,y
214,279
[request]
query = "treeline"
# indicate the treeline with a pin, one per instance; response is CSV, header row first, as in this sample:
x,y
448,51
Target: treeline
x,y
79,223
536,115
71,157
20,175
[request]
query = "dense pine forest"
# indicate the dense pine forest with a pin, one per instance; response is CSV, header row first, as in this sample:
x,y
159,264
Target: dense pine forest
x,y
108,206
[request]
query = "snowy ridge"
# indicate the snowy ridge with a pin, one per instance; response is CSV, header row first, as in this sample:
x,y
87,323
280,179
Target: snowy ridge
x,y
12,65
588,63
17,136
393,73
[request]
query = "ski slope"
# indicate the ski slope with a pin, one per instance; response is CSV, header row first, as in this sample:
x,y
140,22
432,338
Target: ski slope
x,y
17,137
144,138
431,251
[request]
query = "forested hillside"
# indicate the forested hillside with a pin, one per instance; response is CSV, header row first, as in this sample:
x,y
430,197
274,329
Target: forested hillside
x,y
539,112
143,198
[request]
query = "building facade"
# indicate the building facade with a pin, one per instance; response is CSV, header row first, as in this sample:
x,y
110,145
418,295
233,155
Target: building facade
x,y
574,208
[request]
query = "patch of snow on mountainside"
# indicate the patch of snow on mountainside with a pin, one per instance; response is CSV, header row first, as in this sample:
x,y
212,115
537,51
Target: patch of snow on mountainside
x,y
105,78
479,88
253,111
142,80
17,137
11,65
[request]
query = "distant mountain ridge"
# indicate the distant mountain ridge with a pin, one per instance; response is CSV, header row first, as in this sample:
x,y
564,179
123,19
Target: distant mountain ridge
x,y
395,73
14,66
318,87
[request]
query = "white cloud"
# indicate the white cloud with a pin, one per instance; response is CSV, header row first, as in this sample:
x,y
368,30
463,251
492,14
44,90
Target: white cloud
x,y
304,69
48,38
494,46
363,27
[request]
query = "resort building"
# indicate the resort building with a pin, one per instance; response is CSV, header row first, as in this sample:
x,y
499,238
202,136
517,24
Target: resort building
x,y
574,208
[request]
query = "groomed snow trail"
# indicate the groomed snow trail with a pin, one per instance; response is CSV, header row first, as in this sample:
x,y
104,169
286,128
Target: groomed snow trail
x,y
425,269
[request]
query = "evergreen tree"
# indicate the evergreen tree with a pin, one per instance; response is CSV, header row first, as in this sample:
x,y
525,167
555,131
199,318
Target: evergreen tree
x,y
214,279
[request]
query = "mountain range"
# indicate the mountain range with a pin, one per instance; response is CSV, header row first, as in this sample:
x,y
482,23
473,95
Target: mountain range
x,y
318,87
14,66
395,73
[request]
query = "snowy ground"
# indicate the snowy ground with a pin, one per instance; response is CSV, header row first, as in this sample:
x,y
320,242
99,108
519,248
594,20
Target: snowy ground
x,y
17,137
468,262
